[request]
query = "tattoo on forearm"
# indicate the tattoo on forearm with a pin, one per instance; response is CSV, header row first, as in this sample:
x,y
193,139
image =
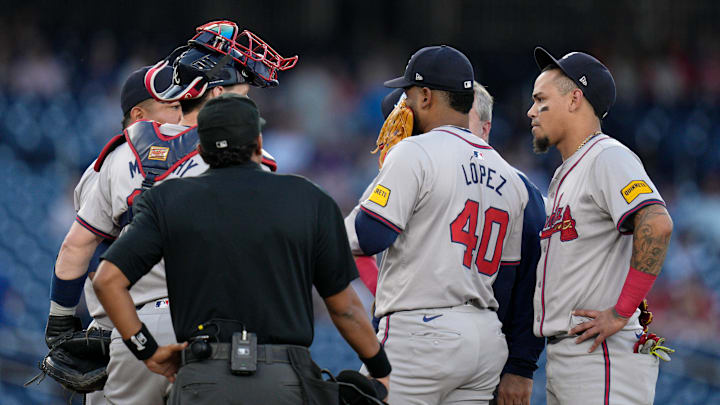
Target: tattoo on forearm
x,y
649,243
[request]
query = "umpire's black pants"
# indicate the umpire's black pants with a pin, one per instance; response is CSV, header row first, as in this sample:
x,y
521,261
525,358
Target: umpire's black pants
x,y
276,382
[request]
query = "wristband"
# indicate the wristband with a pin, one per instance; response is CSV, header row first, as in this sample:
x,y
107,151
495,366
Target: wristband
x,y
636,287
378,366
66,292
142,344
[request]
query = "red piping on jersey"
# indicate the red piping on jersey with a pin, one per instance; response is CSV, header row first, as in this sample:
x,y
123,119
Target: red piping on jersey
x,y
168,171
387,331
93,229
175,166
606,355
542,288
269,163
163,137
116,141
381,219
634,210
477,145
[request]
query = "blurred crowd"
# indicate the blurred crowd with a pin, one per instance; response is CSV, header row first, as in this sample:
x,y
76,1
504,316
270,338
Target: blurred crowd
x,y
58,107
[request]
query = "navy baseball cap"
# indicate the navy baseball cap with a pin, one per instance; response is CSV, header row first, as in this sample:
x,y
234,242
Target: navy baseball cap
x,y
133,90
437,67
588,73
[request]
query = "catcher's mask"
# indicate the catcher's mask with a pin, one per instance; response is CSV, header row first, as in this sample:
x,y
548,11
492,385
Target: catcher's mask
x,y
218,56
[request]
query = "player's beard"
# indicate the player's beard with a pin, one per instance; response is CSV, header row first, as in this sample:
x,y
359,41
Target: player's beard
x,y
416,126
541,144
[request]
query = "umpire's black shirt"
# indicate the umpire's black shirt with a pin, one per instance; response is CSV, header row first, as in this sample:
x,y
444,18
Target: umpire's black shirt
x,y
240,243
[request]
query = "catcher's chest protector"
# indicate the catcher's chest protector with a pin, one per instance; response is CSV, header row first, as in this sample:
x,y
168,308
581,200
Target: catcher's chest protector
x,y
157,155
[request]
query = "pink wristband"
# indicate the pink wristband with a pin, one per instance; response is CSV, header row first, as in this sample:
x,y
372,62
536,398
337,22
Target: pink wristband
x,y
637,285
368,270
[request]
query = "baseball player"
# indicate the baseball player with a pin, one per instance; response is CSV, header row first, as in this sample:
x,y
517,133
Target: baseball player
x,y
137,104
148,152
603,242
448,211
514,285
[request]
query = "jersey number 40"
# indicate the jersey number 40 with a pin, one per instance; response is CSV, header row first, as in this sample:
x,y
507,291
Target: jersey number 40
x,y
462,231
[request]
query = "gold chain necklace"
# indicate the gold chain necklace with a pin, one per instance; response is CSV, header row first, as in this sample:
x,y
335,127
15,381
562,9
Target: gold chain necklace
x,y
587,139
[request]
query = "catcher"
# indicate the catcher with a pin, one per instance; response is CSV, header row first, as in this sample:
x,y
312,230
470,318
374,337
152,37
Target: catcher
x,y
155,152
78,359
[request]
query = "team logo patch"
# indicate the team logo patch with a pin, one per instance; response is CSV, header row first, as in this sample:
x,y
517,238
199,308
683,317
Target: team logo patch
x,y
560,221
634,189
380,195
158,153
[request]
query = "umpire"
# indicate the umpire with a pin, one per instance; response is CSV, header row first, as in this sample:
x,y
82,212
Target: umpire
x,y
242,248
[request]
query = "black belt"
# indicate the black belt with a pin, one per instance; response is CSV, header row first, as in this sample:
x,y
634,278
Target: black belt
x,y
265,353
557,338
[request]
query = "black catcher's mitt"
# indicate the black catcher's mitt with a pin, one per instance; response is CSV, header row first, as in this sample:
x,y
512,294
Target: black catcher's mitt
x,y
77,360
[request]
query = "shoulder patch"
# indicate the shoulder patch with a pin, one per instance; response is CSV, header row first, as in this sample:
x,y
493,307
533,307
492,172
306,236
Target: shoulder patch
x,y
158,153
380,195
634,189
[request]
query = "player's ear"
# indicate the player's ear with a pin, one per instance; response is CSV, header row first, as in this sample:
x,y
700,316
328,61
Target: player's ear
x,y
259,144
576,99
486,126
137,113
426,97
217,91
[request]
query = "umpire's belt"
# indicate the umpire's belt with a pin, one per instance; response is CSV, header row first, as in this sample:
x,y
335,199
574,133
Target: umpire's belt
x,y
265,353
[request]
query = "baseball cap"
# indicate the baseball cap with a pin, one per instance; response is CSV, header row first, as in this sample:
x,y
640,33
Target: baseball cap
x,y
389,101
590,75
437,67
228,120
133,90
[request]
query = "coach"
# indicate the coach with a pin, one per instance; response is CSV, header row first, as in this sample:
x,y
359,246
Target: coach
x,y
243,248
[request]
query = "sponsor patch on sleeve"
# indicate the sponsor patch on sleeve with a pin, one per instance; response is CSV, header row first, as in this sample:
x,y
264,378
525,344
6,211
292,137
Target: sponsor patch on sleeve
x,y
380,195
158,153
634,189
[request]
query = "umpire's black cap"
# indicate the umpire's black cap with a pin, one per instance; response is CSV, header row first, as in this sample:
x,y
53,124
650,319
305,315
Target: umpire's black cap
x,y
437,67
133,90
229,120
590,75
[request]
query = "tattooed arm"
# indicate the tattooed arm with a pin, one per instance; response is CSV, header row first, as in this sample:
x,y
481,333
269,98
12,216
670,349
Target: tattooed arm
x,y
651,237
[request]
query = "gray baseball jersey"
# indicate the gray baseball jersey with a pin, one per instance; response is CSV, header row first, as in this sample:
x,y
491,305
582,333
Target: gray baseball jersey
x,y
103,208
586,243
459,215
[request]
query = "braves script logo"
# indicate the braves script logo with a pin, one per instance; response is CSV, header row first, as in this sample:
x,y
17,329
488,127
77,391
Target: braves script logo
x,y
560,221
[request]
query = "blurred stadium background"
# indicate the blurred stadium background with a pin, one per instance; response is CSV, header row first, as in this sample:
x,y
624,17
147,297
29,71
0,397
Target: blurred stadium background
x,y
62,64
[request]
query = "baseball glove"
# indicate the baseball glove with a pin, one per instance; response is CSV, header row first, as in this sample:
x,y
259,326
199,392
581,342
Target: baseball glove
x,y
397,126
77,360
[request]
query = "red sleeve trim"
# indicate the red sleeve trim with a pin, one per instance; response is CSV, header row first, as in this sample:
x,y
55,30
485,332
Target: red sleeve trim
x,y
634,210
513,263
381,219
93,229
271,164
